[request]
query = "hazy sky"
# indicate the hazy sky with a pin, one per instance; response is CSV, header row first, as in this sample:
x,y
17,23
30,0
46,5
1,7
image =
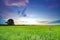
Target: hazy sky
x,y
43,10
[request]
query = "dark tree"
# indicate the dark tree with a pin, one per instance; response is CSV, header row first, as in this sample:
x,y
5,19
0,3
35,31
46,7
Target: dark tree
x,y
10,22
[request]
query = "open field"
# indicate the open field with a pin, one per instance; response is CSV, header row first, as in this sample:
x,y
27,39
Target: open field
x,y
30,32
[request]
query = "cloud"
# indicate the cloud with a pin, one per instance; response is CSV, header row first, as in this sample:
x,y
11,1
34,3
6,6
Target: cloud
x,y
50,0
2,21
53,6
42,22
16,2
56,21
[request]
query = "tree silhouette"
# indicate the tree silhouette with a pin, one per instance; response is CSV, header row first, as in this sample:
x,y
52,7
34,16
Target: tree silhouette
x,y
10,22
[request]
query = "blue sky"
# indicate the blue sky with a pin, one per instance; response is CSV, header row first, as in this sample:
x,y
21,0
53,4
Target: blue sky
x,y
43,10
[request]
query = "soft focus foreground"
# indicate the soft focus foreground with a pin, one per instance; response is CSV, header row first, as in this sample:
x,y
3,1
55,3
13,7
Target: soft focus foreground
x,y
44,32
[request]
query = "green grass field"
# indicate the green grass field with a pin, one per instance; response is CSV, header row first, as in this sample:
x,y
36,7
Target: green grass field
x,y
30,32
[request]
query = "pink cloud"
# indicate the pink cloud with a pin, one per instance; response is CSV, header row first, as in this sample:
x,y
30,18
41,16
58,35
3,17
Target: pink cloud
x,y
49,0
53,6
18,3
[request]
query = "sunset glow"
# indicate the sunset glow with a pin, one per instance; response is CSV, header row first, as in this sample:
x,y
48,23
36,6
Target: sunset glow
x,y
30,11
